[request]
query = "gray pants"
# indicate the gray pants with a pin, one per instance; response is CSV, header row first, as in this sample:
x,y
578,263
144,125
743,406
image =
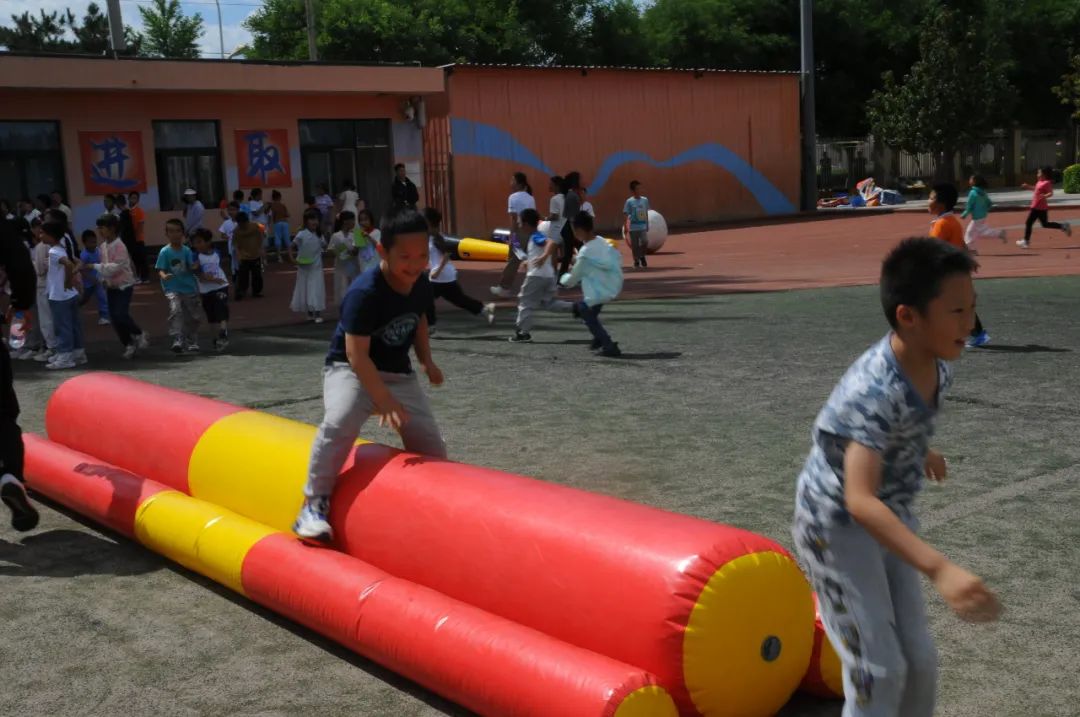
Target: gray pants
x,y
639,242
538,292
875,616
348,405
185,315
42,330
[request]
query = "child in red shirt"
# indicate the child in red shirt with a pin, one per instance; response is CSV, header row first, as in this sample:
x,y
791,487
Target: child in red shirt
x,y
1040,208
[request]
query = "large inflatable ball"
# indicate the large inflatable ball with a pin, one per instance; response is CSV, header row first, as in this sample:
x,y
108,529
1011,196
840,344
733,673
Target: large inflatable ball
x,y
657,231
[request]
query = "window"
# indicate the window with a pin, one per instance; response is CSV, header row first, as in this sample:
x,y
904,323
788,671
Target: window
x,y
188,156
334,151
31,161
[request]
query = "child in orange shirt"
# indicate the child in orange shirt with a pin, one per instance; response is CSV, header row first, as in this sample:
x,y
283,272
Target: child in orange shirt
x,y
948,228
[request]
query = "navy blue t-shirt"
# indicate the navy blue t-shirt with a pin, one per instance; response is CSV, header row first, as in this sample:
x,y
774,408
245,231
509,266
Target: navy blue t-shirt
x,y
371,308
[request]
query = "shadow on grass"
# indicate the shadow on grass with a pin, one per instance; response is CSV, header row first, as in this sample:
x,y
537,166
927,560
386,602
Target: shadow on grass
x,y
71,553
1027,349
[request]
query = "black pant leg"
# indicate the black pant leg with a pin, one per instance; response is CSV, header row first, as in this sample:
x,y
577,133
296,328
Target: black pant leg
x,y
978,326
256,277
11,444
1030,222
453,293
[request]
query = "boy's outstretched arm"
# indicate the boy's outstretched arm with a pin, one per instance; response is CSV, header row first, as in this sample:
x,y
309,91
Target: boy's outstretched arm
x,y
386,406
964,592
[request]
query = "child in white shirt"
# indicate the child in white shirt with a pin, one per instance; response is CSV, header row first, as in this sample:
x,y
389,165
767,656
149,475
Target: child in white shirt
x,y
306,249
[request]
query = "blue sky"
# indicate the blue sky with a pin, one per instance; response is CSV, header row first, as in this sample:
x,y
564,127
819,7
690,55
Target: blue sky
x,y
233,13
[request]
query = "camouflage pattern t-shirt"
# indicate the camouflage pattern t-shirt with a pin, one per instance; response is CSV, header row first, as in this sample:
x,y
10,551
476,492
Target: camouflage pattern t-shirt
x,y
876,405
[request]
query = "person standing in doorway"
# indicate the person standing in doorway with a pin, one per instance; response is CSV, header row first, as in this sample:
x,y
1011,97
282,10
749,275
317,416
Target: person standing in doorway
x,y
520,199
403,192
193,212
1040,207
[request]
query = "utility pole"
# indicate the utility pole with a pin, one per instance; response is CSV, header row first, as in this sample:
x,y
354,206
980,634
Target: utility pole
x,y
313,52
809,124
116,28
220,29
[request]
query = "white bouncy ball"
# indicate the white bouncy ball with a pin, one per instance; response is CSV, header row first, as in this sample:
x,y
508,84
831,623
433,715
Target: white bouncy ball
x,y
657,234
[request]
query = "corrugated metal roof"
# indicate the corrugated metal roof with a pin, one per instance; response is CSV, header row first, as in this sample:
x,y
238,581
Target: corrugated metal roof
x,y
509,66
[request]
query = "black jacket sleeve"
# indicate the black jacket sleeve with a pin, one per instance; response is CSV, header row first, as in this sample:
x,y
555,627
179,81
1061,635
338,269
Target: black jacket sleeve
x,y
15,258
414,195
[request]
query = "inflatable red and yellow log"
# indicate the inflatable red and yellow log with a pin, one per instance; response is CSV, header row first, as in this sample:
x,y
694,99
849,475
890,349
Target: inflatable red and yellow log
x,y
481,661
722,617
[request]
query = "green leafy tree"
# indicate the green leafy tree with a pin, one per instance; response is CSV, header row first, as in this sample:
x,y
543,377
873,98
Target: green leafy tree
x,y
1069,89
955,92
167,32
278,31
615,35
61,32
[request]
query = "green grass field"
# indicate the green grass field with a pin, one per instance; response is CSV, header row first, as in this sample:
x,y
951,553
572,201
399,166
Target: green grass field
x,y
708,414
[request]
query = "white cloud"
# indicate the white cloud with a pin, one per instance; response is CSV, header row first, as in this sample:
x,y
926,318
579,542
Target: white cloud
x,y
233,13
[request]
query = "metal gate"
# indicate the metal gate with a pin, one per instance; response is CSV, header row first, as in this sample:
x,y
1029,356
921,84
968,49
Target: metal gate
x,y
438,170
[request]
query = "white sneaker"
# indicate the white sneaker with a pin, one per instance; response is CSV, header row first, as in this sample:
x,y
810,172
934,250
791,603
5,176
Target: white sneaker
x,y
80,357
103,321
192,347
129,351
489,313
45,356
143,342
313,522
1067,228
500,292
62,361
319,319
1023,243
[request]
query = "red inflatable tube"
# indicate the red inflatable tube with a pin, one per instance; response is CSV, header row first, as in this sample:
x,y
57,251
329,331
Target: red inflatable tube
x,y
481,661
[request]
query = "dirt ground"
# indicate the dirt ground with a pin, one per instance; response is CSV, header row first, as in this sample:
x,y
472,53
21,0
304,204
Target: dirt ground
x,y
708,414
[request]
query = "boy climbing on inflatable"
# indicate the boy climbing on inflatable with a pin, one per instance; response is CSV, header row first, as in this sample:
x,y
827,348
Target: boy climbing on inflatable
x,y
368,370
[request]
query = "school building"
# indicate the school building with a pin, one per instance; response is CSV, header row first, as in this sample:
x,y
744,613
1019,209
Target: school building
x,y
708,145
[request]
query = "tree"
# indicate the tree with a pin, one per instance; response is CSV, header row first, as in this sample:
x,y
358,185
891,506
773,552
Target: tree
x,y
52,32
616,35
955,92
167,32
1069,89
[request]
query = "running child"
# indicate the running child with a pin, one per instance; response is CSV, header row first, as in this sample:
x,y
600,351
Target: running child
x,y
119,277
949,229
538,289
443,275
92,286
636,224
368,369
213,287
176,268
343,248
598,268
1040,207
978,208
309,294
855,525
63,296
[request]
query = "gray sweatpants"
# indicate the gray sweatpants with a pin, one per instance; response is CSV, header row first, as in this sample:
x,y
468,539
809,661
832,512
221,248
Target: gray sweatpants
x,y
875,616
185,315
538,292
348,406
639,243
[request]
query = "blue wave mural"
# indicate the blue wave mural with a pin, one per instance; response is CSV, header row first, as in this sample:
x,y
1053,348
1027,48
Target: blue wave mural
x,y
484,140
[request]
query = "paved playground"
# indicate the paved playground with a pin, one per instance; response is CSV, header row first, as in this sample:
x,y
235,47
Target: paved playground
x,y
708,413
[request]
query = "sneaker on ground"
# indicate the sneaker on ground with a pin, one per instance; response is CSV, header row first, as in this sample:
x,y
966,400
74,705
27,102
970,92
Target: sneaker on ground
x,y
981,339
319,319
80,357
489,313
143,341
521,337
221,344
23,354
1067,228
177,346
103,321
45,356
1023,243
611,351
313,522
644,264
596,345
61,362
500,292
129,351
192,347
23,514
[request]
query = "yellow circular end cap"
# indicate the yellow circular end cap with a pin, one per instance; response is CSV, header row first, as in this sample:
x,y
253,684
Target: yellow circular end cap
x,y
749,638
651,701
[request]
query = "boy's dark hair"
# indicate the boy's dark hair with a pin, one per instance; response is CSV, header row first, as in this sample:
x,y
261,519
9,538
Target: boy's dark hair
x,y
404,221
238,195
234,205
530,218
256,192
176,223
912,273
634,185
54,229
572,180
979,181
560,184
433,216
109,197
242,217
57,216
309,199
946,195
365,213
398,166
89,234
205,234
45,199
133,193
583,220
275,195
120,200
109,221
312,214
